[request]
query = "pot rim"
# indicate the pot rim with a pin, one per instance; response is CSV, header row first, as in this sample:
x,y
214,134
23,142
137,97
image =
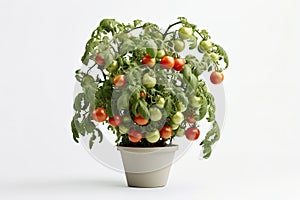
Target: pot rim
x,y
167,148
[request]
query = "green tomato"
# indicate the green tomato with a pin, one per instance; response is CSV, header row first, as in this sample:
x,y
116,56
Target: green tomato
x,y
161,102
155,114
153,136
185,33
181,107
161,53
149,81
179,45
206,45
215,57
180,132
112,67
174,126
123,129
196,102
177,118
126,120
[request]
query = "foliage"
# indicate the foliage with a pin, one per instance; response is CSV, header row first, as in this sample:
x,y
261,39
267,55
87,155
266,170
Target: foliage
x,y
122,53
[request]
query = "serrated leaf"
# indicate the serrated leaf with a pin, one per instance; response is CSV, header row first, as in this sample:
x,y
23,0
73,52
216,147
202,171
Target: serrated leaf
x,y
89,125
203,108
78,102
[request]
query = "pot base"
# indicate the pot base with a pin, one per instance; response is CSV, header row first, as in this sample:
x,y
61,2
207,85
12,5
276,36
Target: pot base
x,y
147,167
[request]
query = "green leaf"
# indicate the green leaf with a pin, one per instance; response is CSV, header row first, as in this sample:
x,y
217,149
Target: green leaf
x,y
91,142
74,130
137,22
135,107
100,135
123,102
151,48
78,102
89,125
143,110
203,108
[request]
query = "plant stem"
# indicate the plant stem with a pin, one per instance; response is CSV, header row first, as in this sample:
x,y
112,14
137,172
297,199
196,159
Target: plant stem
x,y
170,26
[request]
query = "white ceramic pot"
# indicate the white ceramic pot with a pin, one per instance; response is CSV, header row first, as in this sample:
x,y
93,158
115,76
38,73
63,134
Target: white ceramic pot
x,y
147,167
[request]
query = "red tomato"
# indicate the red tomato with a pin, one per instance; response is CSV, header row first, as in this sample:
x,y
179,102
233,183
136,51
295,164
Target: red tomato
x,y
99,60
99,115
139,120
216,77
143,95
135,136
115,121
120,81
167,62
179,63
147,60
191,119
192,133
166,132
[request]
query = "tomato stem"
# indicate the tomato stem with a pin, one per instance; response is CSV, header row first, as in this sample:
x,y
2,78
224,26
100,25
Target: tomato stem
x,y
170,26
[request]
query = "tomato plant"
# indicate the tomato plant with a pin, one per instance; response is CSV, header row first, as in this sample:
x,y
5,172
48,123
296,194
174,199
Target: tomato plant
x,y
155,114
129,78
179,45
178,64
152,136
120,81
147,60
139,120
185,33
177,118
166,132
216,77
99,114
99,60
192,133
115,121
149,81
135,136
167,62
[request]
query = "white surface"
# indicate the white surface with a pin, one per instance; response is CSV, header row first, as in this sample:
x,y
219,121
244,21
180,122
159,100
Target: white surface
x,y
40,47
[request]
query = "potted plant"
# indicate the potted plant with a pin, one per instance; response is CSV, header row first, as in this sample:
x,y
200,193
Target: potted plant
x,y
146,85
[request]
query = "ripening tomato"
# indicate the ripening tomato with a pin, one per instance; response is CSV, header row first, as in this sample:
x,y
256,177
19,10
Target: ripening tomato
x,y
178,64
135,136
167,62
99,60
139,120
191,119
216,77
192,133
147,60
115,121
120,81
166,132
99,114
143,95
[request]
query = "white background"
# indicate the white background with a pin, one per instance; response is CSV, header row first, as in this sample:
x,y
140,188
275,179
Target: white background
x,y
41,43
